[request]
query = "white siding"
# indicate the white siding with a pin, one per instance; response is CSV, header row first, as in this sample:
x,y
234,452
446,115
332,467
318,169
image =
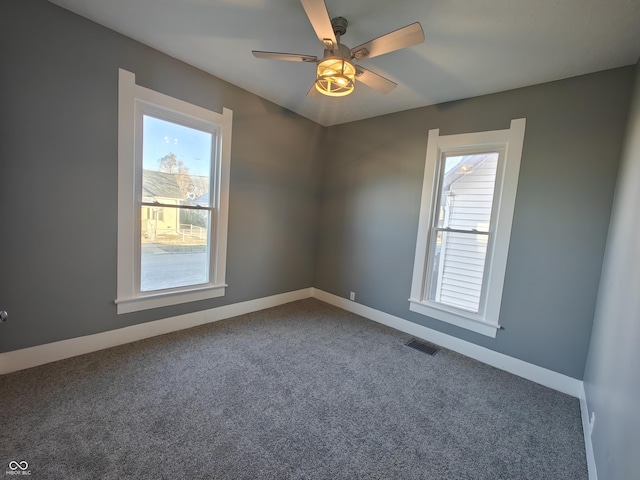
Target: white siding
x,y
463,255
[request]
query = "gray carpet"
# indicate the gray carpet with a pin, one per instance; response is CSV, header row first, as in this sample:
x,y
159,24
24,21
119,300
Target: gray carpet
x,y
300,391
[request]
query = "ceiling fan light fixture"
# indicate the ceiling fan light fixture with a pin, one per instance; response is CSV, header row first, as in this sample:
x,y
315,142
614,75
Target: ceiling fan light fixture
x,y
335,77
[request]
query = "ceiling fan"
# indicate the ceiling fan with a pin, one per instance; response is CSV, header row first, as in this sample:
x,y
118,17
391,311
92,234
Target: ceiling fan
x,y
337,72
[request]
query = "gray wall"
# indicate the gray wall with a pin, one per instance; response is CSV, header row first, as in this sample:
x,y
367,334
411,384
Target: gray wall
x,y
612,374
58,177
372,181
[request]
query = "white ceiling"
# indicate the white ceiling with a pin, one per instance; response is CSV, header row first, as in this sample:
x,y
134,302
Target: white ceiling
x,y
472,47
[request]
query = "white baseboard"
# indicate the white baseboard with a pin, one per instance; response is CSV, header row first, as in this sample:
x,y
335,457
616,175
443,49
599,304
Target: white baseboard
x,y
543,376
51,352
588,446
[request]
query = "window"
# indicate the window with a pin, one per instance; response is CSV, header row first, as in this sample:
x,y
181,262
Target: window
x,y
468,197
173,177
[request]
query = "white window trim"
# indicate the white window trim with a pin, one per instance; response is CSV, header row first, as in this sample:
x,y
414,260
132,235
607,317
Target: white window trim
x,y
129,297
511,142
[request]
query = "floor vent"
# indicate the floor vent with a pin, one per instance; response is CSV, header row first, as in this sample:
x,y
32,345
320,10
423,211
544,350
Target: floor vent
x,y
423,347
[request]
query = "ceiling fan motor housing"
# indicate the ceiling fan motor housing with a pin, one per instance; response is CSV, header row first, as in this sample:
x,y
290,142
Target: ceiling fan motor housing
x,y
340,51
339,25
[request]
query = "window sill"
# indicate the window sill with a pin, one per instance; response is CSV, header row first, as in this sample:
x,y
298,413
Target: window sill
x,y
160,299
478,326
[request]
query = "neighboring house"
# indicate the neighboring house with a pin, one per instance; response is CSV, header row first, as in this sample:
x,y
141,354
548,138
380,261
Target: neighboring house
x,y
202,199
161,188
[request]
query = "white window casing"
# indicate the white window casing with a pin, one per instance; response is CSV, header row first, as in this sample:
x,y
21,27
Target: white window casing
x,y
133,100
483,301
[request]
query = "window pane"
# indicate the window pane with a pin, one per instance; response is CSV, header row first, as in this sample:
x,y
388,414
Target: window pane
x,y
174,247
457,272
176,163
466,193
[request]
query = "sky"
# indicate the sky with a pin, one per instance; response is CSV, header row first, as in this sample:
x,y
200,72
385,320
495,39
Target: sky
x,y
191,146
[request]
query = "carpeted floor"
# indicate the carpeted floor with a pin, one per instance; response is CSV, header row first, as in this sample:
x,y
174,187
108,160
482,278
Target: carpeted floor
x,y
300,391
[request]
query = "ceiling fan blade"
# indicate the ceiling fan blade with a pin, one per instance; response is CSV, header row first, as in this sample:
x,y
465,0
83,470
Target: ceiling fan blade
x,y
401,38
318,15
375,81
289,57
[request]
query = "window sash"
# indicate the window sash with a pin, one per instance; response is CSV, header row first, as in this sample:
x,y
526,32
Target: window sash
x,y
173,270
144,108
448,273
433,248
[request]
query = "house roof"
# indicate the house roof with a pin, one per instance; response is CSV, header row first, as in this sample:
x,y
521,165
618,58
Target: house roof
x,y
160,185
202,199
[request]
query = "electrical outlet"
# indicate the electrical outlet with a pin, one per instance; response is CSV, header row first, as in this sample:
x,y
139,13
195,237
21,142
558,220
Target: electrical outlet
x,y
592,422
352,296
